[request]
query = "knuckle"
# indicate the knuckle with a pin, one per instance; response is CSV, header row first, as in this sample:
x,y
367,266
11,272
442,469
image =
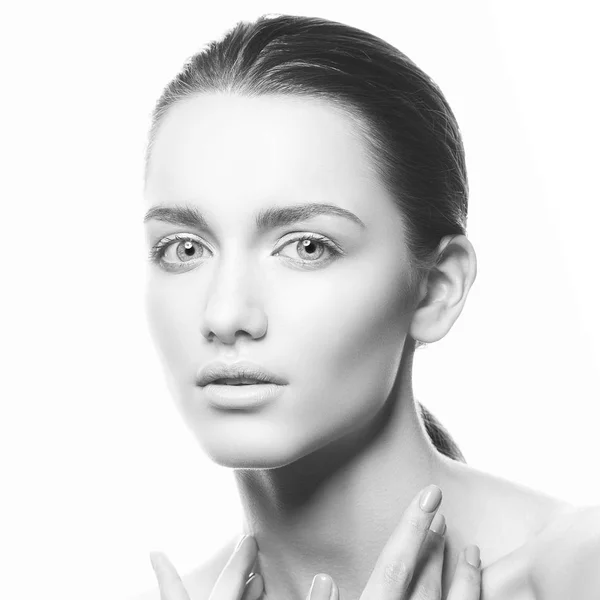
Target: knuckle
x,y
429,591
471,575
397,574
418,524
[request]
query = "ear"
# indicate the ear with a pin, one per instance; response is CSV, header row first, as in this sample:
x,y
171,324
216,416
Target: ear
x,y
444,290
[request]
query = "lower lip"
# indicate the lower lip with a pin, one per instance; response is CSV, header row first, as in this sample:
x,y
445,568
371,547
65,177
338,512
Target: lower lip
x,y
241,396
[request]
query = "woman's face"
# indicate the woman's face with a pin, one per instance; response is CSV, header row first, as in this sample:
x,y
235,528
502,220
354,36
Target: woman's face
x,y
329,320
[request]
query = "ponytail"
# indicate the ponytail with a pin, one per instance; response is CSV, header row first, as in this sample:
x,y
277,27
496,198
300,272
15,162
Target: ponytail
x,y
439,435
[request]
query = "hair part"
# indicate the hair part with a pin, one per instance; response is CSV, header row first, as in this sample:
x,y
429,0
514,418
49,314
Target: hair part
x,y
409,130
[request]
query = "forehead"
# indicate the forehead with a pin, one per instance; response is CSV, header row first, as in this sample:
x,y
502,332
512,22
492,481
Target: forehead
x,y
262,147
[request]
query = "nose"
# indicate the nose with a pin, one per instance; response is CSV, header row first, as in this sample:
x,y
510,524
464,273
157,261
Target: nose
x,y
231,304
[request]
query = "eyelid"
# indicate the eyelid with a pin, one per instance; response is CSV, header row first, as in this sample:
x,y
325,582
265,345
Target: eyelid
x,y
180,236
298,235
331,247
166,240
158,250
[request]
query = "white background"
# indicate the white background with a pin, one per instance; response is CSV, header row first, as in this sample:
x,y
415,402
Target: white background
x,y
97,468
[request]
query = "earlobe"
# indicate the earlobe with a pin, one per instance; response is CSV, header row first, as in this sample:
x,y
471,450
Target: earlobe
x,y
447,287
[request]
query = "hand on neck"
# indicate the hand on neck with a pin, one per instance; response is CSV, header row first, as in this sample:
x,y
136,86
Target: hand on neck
x,y
333,510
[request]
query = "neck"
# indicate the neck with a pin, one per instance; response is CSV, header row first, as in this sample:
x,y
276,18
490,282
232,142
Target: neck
x,y
334,510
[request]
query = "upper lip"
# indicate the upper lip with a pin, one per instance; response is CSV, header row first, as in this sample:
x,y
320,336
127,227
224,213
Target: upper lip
x,y
239,370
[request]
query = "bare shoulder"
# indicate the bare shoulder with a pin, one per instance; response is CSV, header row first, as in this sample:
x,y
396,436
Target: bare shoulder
x,y
498,514
566,554
516,497
507,521
576,531
200,581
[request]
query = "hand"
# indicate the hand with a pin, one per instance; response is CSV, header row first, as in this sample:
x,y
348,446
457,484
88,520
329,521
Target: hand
x,y
396,575
233,582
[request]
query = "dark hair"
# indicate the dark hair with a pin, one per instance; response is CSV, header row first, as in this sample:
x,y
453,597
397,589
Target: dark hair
x,y
410,131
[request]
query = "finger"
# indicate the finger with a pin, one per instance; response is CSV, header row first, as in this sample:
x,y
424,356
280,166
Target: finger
x,y
254,587
335,592
231,583
398,561
427,580
321,587
466,584
169,583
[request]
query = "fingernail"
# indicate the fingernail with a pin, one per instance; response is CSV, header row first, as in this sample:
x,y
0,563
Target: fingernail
x,y
438,524
472,556
431,498
239,544
321,586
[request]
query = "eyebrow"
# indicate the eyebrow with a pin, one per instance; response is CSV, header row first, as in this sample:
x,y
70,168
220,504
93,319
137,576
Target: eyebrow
x,y
268,218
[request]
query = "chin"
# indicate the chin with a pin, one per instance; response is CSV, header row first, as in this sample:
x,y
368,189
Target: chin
x,y
239,449
249,458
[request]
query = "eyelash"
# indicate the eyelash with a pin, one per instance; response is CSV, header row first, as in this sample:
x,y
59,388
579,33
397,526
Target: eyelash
x,y
158,251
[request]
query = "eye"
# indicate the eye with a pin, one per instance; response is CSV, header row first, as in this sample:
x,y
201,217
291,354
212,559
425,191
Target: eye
x,y
311,247
178,252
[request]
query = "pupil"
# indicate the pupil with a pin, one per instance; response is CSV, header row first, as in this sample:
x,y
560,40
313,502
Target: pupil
x,y
307,243
186,250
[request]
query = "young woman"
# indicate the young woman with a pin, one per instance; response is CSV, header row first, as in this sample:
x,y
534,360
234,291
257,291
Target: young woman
x,y
306,210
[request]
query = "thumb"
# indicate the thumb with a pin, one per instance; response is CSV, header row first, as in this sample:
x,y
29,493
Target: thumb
x,y
169,582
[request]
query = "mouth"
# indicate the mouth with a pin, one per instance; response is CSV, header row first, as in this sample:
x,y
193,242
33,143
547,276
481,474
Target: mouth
x,y
228,394
238,382
242,373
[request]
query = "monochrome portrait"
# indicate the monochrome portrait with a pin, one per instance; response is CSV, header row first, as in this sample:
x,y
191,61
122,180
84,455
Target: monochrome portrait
x,y
315,312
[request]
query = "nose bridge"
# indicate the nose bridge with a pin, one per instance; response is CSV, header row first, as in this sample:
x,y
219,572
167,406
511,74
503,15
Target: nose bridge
x,y
232,279
231,301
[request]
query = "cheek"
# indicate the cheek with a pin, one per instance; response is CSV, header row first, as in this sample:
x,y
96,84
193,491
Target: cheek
x,y
344,338
338,332
174,324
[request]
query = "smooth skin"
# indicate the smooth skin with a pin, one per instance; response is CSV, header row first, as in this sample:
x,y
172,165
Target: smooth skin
x,y
336,459
344,443
560,562
409,567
